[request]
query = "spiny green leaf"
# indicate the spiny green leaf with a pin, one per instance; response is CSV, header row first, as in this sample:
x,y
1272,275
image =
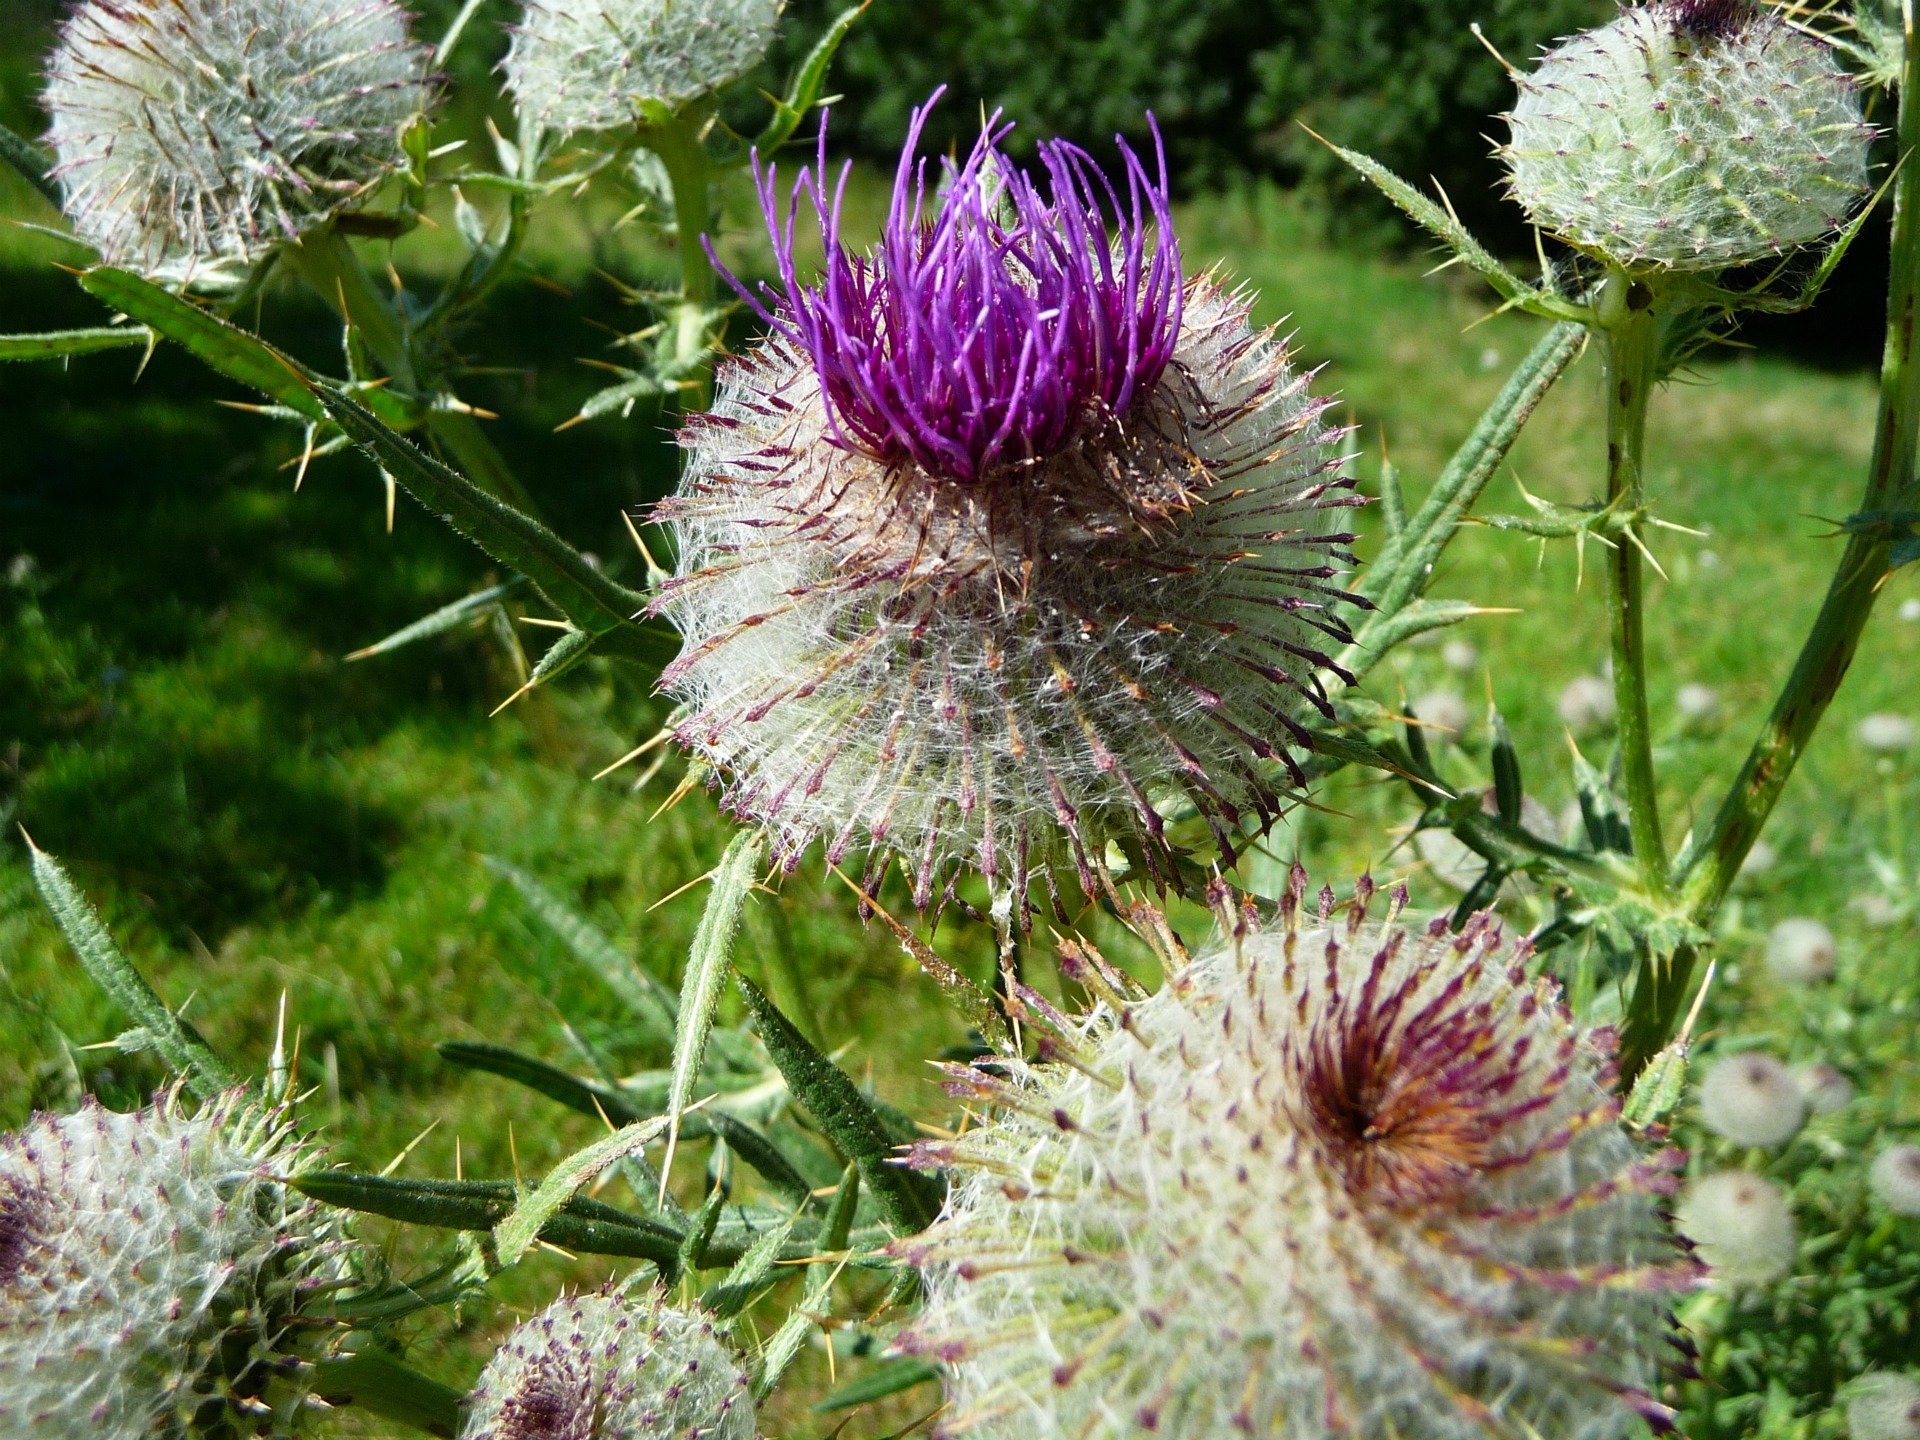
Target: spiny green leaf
x,y
706,974
1508,791
849,1119
594,602
56,344
804,92
536,1210
615,1105
177,1042
446,618
381,1385
650,1002
224,347
889,1377
733,1293
807,1315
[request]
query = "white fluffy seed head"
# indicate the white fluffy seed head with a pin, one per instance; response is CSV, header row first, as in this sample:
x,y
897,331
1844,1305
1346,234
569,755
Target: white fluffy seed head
x,y
1689,134
151,1269
191,136
1895,1178
1698,704
1751,1099
1801,951
1883,1406
612,1366
1586,703
1885,733
1338,1176
578,65
1461,655
1009,674
1742,1226
1826,1090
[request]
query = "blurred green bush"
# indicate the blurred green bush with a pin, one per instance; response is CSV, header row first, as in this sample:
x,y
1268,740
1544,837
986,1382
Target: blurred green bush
x,y
1231,82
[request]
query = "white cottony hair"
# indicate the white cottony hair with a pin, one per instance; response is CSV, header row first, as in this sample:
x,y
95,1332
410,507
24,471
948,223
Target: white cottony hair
x,y
589,64
1690,134
191,136
135,1249
1340,1177
1003,674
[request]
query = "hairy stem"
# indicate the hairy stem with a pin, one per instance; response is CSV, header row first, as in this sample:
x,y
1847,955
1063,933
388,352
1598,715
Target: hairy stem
x,y
677,142
1713,860
1630,336
327,262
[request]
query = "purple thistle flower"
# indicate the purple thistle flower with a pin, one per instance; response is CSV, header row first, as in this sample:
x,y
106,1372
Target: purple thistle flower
x,y
1007,544
989,334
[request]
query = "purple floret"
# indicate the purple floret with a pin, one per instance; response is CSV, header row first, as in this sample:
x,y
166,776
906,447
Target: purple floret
x,y
995,331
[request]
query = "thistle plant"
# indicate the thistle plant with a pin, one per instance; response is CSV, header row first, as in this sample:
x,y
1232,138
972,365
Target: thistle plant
x,y
611,1366
193,136
1007,536
1742,1226
1689,135
1752,1099
1341,1174
154,1270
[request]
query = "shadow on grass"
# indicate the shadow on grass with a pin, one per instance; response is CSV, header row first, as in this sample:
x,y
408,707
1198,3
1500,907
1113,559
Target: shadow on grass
x,y
172,700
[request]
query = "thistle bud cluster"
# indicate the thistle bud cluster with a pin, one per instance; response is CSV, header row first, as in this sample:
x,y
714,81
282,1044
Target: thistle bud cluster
x,y
191,136
577,66
1690,135
609,1366
1006,538
1339,1176
152,1272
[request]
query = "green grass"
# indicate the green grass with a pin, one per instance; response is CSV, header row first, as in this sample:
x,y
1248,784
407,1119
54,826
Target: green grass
x,y
255,815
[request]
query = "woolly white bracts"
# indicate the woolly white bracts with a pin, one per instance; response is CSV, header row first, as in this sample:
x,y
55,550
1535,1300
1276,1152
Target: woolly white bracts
x,y
610,1366
1742,1226
1691,134
1339,1176
193,135
966,673
590,64
151,1272
1752,1099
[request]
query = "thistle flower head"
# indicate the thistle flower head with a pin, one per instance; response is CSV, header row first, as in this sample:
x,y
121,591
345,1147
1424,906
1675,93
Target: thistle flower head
x,y
1895,1178
1688,134
152,1268
578,65
191,136
1742,1226
1004,534
1801,951
1826,1089
1338,1176
609,1366
1752,1099
1883,1406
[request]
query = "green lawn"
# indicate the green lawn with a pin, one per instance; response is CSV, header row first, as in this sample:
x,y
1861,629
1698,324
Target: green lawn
x,y
256,815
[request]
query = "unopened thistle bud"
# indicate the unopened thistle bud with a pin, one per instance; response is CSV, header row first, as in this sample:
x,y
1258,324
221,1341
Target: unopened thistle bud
x,y
1742,1226
1004,536
612,1367
1752,1100
152,1273
578,65
1340,1176
1895,1178
191,136
1689,134
1883,1406
1801,951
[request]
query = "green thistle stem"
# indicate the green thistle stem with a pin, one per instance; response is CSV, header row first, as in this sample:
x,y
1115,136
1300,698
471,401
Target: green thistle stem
x,y
1712,861
1630,332
677,142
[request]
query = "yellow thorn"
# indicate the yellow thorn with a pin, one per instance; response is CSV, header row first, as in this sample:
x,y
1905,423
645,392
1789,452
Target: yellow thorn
x,y
399,1159
1480,35
391,488
635,753
697,880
